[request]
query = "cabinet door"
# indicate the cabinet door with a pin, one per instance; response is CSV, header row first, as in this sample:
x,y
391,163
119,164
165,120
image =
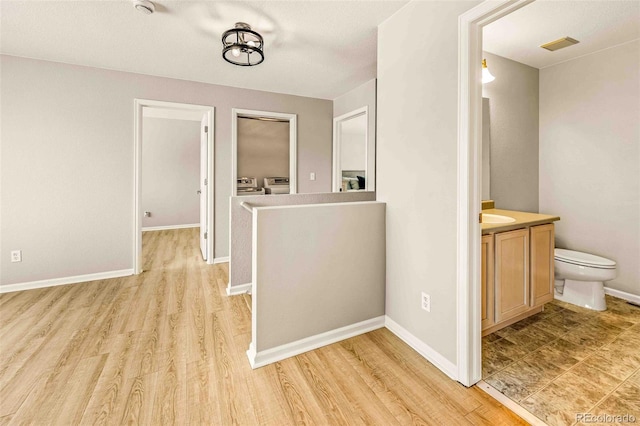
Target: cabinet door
x,y
542,279
511,274
487,296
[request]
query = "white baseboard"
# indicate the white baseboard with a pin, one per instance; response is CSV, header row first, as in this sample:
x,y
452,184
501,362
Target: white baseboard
x,y
510,404
65,280
443,364
162,228
622,295
239,289
269,356
220,260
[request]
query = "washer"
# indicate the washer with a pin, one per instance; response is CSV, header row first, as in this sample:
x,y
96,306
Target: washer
x,y
248,186
276,185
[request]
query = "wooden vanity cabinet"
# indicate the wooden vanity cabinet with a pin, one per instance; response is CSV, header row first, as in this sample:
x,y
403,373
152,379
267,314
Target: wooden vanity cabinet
x,y
517,274
542,271
487,291
511,274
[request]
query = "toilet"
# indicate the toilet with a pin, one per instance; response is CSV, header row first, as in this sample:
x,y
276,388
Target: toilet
x,y
580,277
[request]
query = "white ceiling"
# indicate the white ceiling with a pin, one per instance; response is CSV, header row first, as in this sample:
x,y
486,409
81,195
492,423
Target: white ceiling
x,y
596,24
320,49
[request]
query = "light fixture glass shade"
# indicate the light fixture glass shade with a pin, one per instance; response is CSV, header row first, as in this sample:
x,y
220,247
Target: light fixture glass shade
x,y
242,46
487,77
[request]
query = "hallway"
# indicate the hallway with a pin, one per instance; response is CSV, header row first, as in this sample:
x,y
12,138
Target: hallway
x,y
168,347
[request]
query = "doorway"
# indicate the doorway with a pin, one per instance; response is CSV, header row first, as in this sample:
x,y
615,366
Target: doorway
x,y
469,358
264,117
204,163
351,152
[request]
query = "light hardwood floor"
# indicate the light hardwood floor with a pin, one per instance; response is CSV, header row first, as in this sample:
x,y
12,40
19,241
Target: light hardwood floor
x,y
168,347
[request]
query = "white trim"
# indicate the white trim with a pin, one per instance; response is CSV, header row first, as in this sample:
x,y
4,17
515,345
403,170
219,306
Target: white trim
x,y
269,356
173,114
163,228
217,260
8,288
293,145
238,289
427,352
510,404
337,123
469,358
138,105
630,297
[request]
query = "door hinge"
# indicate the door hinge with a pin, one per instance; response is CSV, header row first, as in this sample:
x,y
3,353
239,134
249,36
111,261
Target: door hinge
x,y
206,129
205,181
206,235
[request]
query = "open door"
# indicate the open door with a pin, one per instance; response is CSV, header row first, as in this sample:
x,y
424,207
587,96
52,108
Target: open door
x,y
203,186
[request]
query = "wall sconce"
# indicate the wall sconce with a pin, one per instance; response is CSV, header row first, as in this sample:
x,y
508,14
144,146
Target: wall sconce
x,y
486,75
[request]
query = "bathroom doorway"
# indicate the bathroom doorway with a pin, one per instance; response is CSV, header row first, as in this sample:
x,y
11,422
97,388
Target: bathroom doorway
x,y
563,361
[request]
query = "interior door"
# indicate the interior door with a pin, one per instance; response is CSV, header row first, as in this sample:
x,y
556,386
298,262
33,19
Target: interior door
x,y
203,186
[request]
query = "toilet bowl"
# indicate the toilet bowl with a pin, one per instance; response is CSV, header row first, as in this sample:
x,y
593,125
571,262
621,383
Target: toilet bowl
x,y
580,277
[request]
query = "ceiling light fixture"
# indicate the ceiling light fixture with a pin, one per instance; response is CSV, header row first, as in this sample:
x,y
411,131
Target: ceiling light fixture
x,y
242,46
144,6
486,75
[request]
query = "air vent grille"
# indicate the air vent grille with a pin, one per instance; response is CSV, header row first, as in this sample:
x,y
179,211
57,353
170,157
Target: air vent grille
x,y
560,44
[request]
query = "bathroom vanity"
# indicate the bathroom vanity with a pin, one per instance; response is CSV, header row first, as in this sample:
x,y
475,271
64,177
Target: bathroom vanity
x,y
517,266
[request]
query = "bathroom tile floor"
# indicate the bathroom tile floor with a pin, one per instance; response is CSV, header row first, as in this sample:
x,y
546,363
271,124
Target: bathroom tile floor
x,y
569,360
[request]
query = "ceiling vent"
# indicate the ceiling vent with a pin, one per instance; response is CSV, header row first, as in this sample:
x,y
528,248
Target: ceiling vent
x,y
560,44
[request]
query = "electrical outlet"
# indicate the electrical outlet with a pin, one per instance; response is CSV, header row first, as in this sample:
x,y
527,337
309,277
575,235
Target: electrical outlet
x,y
312,176
16,255
426,302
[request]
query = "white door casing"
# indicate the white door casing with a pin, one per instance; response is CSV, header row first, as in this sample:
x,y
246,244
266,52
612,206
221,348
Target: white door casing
x,y
470,24
293,144
203,186
176,108
337,148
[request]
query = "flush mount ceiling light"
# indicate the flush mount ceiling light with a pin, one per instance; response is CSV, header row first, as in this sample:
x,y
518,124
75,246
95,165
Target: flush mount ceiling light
x,y
144,6
486,75
242,46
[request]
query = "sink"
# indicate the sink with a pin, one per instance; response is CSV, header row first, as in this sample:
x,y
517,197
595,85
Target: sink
x,y
496,218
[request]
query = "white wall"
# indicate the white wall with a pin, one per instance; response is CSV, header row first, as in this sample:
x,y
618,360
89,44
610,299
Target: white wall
x,y
590,156
67,161
353,144
170,171
364,95
240,251
334,258
417,167
513,111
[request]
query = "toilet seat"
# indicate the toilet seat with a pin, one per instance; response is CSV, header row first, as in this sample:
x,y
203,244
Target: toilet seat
x,y
583,259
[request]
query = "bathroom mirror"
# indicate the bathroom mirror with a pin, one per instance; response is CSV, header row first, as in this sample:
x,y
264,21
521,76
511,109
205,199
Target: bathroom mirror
x,y
351,161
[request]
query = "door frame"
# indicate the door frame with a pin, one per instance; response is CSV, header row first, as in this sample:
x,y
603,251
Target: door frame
x,y
293,144
469,335
139,105
337,145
